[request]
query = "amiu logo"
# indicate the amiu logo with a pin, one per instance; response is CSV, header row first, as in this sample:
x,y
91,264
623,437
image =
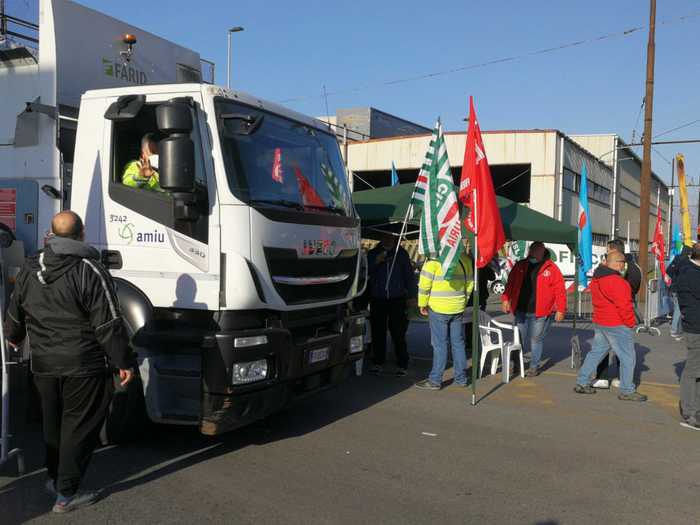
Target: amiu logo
x,y
128,233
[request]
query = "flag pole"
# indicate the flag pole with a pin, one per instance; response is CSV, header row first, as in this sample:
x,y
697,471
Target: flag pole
x,y
658,212
475,305
398,244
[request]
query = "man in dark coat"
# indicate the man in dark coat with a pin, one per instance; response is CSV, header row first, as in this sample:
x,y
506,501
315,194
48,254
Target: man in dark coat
x,y
65,302
673,270
389,297
686,285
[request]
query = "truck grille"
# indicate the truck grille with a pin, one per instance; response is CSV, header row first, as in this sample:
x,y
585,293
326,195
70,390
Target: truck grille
x,y
318,279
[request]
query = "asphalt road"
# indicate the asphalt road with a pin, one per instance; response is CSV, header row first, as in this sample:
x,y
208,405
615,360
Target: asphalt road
x,y
377,450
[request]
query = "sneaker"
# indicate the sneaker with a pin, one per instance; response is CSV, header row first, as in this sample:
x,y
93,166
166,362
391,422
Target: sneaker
x,y
615,383
678,338
427,385
532,372
401,372
601,383
461,385
691,422
634,396
584,389
77,501
51,488
376,370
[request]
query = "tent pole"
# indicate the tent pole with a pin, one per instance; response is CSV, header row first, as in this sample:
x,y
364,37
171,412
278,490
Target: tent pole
x,y
398,244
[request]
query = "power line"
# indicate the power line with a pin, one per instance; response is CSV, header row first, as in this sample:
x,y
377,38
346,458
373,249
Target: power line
x,y
636,123
424,76
676,128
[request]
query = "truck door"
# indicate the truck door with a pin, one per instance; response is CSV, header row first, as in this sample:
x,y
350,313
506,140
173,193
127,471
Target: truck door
x,y
174,262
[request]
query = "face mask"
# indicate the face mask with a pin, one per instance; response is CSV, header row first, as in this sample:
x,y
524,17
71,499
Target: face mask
x,y
532,260
153,160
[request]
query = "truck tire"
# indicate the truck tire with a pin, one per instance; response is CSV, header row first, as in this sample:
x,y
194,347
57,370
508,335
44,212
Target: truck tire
x,y
126,417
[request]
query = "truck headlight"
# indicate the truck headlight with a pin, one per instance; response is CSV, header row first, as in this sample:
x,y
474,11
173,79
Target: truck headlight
x,y
356,344
249,372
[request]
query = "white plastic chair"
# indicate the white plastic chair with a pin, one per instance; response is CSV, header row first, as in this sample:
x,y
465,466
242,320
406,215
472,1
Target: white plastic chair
x,y
510,347
488,346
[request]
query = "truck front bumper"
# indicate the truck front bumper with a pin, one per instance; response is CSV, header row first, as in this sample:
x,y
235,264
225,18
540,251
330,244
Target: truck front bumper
x,y
291,374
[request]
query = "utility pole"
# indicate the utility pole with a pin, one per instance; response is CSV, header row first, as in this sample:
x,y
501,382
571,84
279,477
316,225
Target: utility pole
x,y
645,183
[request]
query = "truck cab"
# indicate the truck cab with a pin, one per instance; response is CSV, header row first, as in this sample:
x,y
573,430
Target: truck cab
x,y
236,274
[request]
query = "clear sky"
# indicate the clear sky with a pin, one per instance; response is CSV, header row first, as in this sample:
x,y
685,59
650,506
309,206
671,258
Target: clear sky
x,y
291,50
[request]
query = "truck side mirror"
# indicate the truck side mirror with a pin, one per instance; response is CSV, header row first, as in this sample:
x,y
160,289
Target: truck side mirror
x,y
176,151
176,164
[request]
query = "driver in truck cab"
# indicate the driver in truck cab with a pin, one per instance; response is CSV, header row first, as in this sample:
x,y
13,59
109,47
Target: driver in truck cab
x,y
142,173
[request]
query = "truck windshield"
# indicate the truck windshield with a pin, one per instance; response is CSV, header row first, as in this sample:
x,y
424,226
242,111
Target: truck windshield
x,y
273,161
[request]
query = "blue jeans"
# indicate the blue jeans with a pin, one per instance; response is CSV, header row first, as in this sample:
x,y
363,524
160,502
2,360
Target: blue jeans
x,y
444,328
676,321
621,340
533,330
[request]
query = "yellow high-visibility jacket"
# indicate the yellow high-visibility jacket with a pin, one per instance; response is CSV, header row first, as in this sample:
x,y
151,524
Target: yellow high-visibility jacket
x,y
446,296
132,177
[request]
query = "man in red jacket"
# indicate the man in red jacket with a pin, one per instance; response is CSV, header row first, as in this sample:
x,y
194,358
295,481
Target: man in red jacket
x,y
613,321
535,290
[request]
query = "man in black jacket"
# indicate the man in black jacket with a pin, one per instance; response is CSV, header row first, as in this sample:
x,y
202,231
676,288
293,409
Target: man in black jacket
x,y
388,301
686,285
673,270
65,301
633,273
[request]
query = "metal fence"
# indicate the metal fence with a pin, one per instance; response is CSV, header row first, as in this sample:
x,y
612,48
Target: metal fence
x,y
579,306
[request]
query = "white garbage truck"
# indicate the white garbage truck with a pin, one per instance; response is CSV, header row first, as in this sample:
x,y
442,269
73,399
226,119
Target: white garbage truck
x,y
236,273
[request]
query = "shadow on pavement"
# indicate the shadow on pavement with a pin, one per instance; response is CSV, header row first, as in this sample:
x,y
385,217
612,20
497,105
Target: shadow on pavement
x,y
165,450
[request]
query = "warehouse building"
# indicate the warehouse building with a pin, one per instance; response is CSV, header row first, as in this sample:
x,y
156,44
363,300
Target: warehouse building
x,y
538,167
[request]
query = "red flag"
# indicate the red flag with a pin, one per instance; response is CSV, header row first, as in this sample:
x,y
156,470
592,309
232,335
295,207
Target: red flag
x,y
658,247
476,183
277,166
309,197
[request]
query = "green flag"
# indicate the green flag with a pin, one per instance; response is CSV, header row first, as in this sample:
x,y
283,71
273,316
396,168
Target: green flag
x,y
440,224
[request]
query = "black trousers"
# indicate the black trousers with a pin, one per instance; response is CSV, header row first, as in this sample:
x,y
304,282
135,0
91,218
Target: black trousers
x,y
391,314
73,409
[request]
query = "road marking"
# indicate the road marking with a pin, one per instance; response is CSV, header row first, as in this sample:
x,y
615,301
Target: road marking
x,y
429,434
567,374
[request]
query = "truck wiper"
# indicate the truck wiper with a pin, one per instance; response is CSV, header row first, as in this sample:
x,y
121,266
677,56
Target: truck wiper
x,y
282,202
332,209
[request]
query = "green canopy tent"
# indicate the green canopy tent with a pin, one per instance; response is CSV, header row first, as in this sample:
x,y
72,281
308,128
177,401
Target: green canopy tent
x,y
384,209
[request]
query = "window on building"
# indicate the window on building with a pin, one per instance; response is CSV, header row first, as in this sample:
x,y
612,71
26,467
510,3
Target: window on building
x,y
596,192
600,239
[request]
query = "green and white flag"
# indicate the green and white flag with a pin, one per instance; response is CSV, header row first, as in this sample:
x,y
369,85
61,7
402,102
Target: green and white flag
x,y
440,224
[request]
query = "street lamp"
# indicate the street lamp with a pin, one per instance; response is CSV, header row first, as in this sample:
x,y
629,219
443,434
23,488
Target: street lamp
x,y
236,29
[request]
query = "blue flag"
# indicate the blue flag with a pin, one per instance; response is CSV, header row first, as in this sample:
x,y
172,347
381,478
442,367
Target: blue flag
x,y
677,242
585,235
394,175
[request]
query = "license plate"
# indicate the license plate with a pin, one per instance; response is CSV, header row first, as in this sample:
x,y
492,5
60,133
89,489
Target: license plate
x,y
318,355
